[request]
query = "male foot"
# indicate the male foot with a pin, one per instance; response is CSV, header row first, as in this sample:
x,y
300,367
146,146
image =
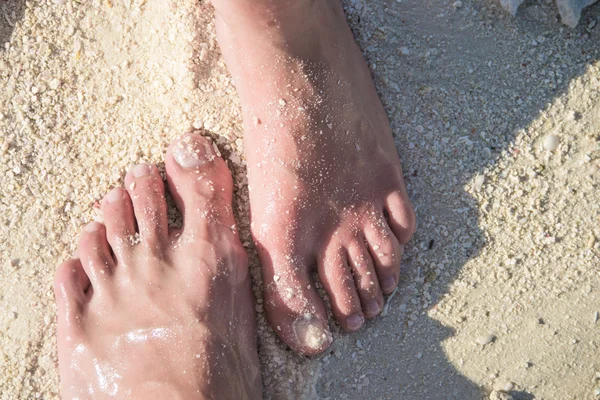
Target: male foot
x,y
325,181
160,312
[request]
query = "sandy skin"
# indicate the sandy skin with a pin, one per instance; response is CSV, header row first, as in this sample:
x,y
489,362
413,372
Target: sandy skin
x,y
164,312
326,187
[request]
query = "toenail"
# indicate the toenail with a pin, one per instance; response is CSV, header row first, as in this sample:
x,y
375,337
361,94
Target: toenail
x,y
141,170
312,332
114,195
191,153
354,321
388,283
93,226
372,307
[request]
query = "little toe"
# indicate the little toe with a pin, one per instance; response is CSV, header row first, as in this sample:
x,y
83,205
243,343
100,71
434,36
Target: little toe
x,y
339,283
147,192
401,216
365,277
70,286
119,220
94,253
386,253
294,308
201,185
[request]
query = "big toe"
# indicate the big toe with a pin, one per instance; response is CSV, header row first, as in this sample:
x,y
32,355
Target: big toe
x,y
201,184
294,308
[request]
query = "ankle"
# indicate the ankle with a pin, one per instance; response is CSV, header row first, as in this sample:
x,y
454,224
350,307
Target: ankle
x,y
285,19
258,11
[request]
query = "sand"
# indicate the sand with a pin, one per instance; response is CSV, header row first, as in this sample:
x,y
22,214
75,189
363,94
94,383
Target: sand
x,y
501,284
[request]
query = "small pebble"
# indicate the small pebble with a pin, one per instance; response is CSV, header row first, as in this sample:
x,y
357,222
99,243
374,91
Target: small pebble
x,y
500,395
479,182
551,142
591,241
54,84
485,339
457,4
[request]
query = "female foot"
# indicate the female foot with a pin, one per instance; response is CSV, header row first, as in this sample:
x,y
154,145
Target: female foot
x,y
159,312
325,181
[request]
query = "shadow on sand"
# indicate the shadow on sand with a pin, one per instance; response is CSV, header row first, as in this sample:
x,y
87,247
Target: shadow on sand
x,y
458,85
11,12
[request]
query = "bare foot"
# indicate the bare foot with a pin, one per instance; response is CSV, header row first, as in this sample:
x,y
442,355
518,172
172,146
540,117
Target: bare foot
x,y
326,185
160,313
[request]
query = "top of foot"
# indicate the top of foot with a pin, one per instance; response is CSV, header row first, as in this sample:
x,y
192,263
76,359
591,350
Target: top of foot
x,y
156,311
326,186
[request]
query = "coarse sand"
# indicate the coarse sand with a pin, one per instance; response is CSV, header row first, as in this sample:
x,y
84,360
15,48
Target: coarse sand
x,y
497,121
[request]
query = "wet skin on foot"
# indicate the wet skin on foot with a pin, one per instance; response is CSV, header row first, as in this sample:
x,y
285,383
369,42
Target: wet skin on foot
x,y
156,311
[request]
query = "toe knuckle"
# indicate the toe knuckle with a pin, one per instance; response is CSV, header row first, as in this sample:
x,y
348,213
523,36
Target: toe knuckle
x,y
64,272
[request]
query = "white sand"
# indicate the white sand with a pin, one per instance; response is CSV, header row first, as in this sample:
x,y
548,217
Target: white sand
x,y
90,88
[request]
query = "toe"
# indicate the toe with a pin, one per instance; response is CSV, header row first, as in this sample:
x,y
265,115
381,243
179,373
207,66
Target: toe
x,y
94,253
401,216
70,286
386,253
339,283
119,219
147,192
201,185
365,277
294,308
